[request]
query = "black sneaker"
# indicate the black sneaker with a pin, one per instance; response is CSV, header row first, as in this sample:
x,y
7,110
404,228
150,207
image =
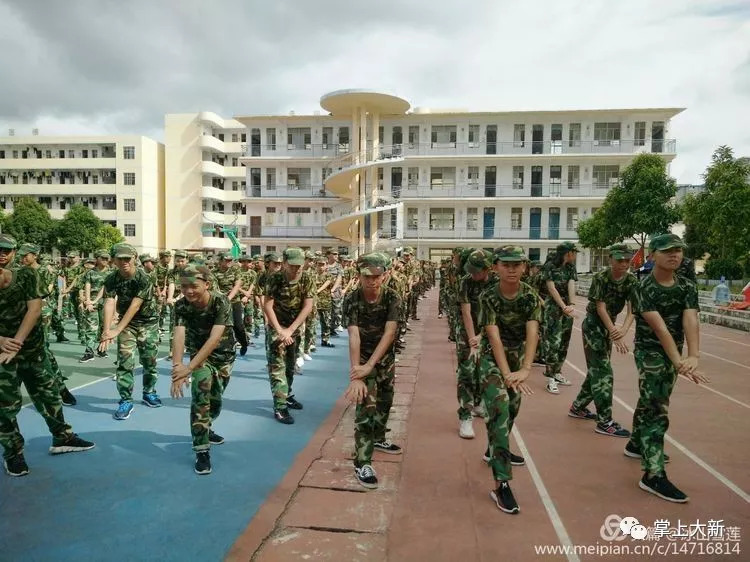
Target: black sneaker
x,y
504,499
214,438
366,476
663,488
202,463
291,402
611,428
517,460
102,354
327,344
87,356
243,350
283,416
72,444
16,465
62,339
635,453
581,413
67,398
387,447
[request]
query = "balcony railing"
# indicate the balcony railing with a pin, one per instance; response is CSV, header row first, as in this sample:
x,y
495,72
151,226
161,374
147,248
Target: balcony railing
x,y
290,232
492,233
292,191
508,191
628,146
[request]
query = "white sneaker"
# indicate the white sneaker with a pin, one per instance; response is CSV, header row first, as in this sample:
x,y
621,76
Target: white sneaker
x,y
479,411
339,328
300,362
307,357
466,429
552,386
559,379
313,348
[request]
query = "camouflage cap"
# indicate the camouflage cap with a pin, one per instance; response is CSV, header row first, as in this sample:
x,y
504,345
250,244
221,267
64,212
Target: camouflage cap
x,y
225,256
101,254
146,257
318,253
294,256
28,249
46,258
347,257
197,260
407,251
321,259
666,242
535,263
191,272
565,247
165,254
477,262
372,264
71,254
332,252
180,254
509,254
123,250
245,258
89,260
257,257
273,257
620,252
309,255
386,260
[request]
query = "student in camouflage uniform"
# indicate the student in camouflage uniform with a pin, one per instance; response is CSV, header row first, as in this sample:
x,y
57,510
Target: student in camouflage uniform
x,y
335,269
93,305
559,277
173,290
260,285
162,273
371,314
687,270
442,287
71,273
324,280
611,290
666,309
311,321
451,291
468,334
24,359
229,279
56,322
288,301
396,281
138,327
509,313
411,271
203,321
249,277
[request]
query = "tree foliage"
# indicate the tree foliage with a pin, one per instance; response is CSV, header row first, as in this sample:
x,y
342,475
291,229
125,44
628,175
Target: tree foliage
x,y
108,236
78,230
640,206
30,222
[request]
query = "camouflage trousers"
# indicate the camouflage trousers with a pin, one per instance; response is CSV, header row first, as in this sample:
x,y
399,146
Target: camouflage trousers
x,y
371,416
249,316
144,338
34,371
502,405
468,388
77,314
93,322
281,359
56,322
209,383
599,378
326,324
337,303
311,329
413,300
656,379
258,320
239,323
454,315
557,331
165,311
441,299
57,374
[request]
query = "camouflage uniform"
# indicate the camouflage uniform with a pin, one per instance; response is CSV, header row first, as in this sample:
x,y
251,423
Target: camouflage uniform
x,y
502,403
336,271
94,320
142,331
210,380
311,322
173,277
288,301
557,326
249,279
687,270
597,346
226,278
656,373
324,305
371,417
72,275
30,366
56,322
162,274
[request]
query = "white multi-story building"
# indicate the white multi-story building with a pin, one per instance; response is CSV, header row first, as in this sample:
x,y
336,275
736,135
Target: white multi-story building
x,y
370,170
120,178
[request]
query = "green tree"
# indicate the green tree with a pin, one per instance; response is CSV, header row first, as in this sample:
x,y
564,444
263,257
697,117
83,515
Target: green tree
x,y
108,237
78,230
30,222
720,213
639,206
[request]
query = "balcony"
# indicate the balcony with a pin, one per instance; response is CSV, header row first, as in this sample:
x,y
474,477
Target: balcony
x,y
212,168
228,196
58,163
294,151
340,226
291,232
490,233
473,190
58,189
349,165
225,218
210,142
289,192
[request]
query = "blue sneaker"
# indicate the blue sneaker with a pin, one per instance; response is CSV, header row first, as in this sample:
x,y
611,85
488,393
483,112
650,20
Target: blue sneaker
x,y
123,410
152,400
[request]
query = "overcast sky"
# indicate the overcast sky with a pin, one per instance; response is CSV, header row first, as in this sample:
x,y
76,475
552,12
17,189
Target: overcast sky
x,y
113,66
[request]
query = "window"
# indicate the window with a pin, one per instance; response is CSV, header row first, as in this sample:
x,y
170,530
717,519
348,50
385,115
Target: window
x,y
519,135
84,153
574,135
472,218
572,223
413,136
48,154
327,136
128,178
344,138
128,152
299,138
298,177
109,203
297,215
441,219
129,230
130,205
473,175
270,139
380,178
94,154
555,179
574,177
606,134
442,178
412,219
235,137
270,248
516,218
2,154
443,135
556,135
46,201
270,216
517,177
605,176
640,133
60,154
397,137
413,177
473,135
71,153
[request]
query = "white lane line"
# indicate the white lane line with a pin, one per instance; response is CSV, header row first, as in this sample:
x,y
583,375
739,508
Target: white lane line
x,y
725,339
549,505
725,360
687,452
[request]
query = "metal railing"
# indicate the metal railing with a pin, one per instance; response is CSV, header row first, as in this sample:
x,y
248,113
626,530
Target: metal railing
x,y
491,233
594,190
291,232
291,191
